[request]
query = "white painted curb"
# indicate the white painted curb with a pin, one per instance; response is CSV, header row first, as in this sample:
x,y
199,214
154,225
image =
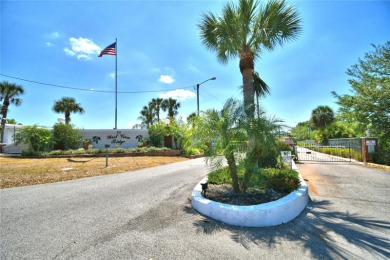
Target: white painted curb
x,y
263,215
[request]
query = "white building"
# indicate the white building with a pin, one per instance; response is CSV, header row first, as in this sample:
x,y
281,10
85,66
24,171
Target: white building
x,y
124,138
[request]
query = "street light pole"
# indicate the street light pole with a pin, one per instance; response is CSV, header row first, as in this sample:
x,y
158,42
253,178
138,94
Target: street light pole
x,y
197,92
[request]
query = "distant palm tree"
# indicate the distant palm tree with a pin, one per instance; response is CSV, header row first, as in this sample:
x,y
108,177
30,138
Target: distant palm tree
x,y
147,116
172,106
156,104
322,116
244,31
9,93
67,105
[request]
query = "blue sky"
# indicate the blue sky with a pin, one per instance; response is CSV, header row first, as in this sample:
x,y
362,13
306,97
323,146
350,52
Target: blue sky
x,y
159,49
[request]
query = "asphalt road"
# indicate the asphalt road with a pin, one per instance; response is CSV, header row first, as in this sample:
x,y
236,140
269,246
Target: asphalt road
x,y
147,214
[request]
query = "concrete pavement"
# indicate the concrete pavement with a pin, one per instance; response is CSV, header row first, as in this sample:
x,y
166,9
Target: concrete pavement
x,y
147,214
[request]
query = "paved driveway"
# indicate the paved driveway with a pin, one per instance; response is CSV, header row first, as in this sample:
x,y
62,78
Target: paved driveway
x,y
147,214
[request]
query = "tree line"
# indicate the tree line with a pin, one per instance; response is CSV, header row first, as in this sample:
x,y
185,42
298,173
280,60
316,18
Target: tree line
x,y
365,111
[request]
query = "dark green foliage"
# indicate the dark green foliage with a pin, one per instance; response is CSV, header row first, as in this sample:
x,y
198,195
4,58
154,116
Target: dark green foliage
x,y
9,94
91,152
156,134
321,117
302,131
67,105
282,180
31,153
37,138
65,137
368,104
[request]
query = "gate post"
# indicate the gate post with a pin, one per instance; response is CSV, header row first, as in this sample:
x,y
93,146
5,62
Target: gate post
x,y
369,146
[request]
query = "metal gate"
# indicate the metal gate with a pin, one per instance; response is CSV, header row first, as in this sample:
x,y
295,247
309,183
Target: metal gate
x,y
338,150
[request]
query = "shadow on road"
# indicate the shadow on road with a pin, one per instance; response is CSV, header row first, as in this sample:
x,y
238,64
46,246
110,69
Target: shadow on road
x,y
325,233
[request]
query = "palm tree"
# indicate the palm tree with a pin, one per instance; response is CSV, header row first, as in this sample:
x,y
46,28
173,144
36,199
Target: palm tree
x,y
172,106
260,88
322,116
9,93
67,105
243,31
147,116
156,104
224,134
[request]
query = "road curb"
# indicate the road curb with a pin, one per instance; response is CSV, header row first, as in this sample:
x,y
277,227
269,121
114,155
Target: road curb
x,y
263,215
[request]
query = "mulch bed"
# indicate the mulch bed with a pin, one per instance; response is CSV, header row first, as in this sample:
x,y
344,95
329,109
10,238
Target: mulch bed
x,y
224,193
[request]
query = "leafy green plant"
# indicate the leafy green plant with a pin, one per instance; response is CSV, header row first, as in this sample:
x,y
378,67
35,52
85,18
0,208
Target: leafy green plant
x,y
65,137
31,153
282,180
156,134
38,138
190,151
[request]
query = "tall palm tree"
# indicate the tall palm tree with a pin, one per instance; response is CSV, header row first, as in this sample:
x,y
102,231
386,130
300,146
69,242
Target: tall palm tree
x,y
322,116
156,104
243,31
67,105
9,93
146,116
172,106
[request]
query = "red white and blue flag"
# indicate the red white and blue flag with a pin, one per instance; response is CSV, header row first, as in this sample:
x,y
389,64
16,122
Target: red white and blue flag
x,y
109,50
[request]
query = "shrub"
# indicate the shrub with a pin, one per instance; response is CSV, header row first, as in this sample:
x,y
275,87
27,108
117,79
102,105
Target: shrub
x,y
189,151
282,180
31,153
220,176
37,138
157,133
65,137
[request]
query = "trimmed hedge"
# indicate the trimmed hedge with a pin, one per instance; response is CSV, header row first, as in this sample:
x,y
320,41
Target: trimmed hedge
x,y
113,152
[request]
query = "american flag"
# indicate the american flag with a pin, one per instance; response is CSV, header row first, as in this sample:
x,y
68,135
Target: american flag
x,y
109,50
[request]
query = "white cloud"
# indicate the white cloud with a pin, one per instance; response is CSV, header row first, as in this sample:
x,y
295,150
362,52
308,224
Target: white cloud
x,y
193,69
112,75
166,79
179,94
54,35
49,44
83,48
69,52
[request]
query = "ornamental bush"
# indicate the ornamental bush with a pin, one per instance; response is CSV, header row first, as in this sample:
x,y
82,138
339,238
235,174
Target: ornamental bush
x,y
65,137
37,138
282,180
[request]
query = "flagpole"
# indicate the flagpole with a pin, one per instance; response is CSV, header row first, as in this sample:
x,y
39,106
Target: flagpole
x,y
116,80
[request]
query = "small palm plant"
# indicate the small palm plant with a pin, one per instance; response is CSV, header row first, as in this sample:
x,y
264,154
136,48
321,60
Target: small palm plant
x,y
223,133
227,131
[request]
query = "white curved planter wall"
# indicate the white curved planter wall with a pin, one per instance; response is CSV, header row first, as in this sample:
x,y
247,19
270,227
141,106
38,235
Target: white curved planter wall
x,y
262,215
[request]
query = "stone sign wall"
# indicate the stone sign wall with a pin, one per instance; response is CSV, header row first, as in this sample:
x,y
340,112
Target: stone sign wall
x,y
124,138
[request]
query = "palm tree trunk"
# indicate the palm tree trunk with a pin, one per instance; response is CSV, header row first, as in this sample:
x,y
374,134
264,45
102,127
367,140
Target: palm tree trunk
x,y
67,118
4,110
246,68
233,172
